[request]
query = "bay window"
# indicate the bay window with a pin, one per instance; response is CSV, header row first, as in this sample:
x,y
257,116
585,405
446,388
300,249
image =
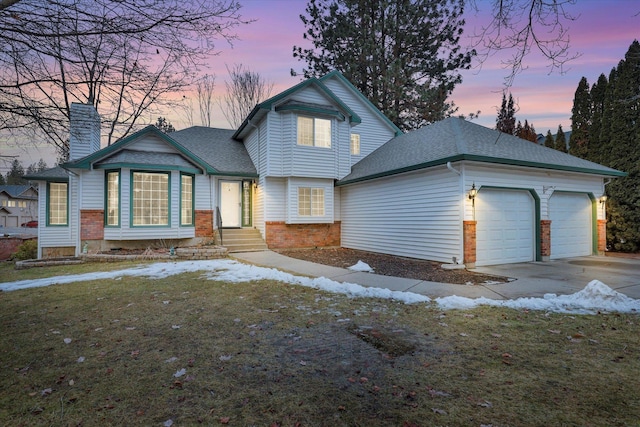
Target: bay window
x,y
150,199
314,132
310,201
186,199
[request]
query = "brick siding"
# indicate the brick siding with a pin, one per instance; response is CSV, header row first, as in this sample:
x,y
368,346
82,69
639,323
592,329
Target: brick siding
x,y
204,223
545,239
92,224
602,236
469,241
280,235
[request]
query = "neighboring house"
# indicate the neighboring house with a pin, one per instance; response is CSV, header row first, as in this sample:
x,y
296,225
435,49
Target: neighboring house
x,y
18,205
318,165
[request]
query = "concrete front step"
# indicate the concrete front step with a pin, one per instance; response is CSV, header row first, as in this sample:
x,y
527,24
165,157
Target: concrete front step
x,y
243,240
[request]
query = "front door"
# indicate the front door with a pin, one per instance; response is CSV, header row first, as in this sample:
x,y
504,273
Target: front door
x,y
231,203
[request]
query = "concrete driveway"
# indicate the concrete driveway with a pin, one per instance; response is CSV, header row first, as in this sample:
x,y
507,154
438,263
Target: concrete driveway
x,y
566,276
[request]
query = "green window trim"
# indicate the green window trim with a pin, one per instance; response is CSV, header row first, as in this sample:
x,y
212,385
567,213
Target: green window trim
x,y
110,205
135,200
54,220
187,212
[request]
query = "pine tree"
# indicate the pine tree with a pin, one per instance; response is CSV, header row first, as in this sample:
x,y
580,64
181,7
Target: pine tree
x,y
561,140
2,181
164,125
404,56
527,132
15,174
598,106
42,165
581,115
549,141
506,120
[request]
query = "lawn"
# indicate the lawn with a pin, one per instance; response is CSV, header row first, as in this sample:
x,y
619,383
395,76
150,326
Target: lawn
x,y
183,350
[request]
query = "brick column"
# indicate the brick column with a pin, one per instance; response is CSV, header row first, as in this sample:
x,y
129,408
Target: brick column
x,y
545,239
204,223
469,242
602,236
92,224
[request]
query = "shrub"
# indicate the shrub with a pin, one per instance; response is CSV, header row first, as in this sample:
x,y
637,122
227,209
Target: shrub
x,y
27,250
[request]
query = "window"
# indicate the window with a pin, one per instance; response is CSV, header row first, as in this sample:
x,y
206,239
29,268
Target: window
x,y
150,198
355,144
310,201
57,203
314,132
186,200
11,203
112,209
22,204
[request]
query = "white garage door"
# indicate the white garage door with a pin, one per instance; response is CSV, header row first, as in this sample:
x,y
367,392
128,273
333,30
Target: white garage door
x,y
571,227
505,228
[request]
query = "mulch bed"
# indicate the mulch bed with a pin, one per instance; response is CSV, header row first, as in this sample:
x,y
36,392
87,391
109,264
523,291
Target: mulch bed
x,y
389,265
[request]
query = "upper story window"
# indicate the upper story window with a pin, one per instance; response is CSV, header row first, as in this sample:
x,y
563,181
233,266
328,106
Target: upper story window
x,y
57,203
314,132
355,144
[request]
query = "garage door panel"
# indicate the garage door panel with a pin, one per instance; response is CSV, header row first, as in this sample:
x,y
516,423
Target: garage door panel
x,y
571,225
505,227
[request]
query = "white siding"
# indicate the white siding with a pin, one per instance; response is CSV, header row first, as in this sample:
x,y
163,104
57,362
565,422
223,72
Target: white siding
x,y
204,192
93,194
416,215
275,199
374,130
542,182
151,144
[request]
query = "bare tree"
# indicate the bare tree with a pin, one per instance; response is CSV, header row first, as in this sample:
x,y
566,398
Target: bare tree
x,y
245,89
125,58
204,89
523,26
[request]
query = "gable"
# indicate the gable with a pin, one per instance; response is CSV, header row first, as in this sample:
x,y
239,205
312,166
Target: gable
x,y
310,95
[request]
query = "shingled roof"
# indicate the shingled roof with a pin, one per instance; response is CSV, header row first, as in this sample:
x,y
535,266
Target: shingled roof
x,y
455,139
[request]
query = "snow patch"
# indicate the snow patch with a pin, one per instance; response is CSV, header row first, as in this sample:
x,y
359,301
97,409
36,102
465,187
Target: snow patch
x,y
361,266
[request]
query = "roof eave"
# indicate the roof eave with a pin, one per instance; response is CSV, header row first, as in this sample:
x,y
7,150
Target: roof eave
x,y
483,159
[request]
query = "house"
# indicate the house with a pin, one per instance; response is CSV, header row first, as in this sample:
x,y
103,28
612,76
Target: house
x,y
318,165
18,205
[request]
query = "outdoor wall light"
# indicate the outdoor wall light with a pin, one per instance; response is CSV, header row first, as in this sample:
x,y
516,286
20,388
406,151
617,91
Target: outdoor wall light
x,y
473,192
603,199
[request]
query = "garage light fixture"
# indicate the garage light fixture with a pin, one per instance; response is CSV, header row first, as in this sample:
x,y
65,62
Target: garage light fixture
x,y
603,199
473,192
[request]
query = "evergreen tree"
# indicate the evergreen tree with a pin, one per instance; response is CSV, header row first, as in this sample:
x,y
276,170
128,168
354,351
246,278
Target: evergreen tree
x,y
2,181
561,140
549,141
581,115
624,153
613,135
506,120
164,125
404,56
527,132
42,165
598,101
15,174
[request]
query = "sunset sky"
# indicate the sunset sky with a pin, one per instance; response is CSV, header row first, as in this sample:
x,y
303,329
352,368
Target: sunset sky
x,y
601,34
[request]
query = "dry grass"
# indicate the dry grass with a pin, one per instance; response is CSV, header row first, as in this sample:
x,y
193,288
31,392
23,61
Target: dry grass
x,y
265,353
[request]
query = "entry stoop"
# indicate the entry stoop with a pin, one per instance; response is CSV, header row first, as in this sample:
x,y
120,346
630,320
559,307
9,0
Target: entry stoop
x,y
243,240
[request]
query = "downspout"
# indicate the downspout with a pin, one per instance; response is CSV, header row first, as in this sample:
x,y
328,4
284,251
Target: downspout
x,y
459,173
452,169
258,169
77,212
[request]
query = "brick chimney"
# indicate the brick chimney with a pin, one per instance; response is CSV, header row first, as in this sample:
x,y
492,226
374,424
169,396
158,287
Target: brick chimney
x,y
85,131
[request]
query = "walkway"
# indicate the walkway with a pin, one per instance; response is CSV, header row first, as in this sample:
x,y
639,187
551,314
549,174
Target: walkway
x,y
529,279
